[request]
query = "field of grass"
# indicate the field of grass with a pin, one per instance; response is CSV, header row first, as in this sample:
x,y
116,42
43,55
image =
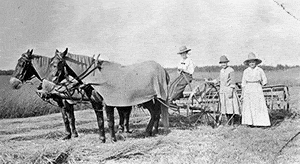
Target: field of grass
x,y
24,102
38,139
21,103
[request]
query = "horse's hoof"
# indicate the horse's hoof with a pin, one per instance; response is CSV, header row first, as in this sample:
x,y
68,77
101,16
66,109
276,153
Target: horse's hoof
x,y
102,139
113,140
148,134
67,137
121,137
75,135
129,131
120,129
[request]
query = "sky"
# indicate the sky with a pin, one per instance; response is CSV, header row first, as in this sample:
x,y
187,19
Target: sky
x,y
132,31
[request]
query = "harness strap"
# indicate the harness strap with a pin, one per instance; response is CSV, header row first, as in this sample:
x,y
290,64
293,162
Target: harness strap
x,y
163,103
89,72
82,74
86,73
70,91
73,74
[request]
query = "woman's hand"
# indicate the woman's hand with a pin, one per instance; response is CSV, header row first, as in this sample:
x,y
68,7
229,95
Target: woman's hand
x,y
242,96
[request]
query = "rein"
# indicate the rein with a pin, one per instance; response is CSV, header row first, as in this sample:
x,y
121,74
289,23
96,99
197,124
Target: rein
x,y
86,72
80,87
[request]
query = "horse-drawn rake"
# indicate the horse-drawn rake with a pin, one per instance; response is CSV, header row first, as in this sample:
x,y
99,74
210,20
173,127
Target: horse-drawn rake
x,y
202,105
277,96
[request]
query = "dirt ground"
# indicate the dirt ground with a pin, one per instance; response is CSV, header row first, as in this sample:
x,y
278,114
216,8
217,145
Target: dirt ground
x,y
38,140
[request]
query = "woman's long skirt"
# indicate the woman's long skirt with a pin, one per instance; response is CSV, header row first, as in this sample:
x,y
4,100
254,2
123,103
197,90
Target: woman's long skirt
x,y
229,105
178,85
254,108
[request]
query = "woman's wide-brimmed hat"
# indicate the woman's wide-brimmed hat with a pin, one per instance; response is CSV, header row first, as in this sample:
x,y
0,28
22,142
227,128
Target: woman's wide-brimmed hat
x,y
252,57
183,49
223,59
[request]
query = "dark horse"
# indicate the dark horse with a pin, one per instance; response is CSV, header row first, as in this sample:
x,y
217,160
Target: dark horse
x,y
59,72
30,66
144,83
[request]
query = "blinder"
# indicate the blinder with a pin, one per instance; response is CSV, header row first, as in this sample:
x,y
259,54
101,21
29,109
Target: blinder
x,y
27,71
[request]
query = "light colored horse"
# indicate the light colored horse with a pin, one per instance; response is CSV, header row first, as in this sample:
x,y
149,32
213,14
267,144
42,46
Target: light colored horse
x,y
30,66
120,86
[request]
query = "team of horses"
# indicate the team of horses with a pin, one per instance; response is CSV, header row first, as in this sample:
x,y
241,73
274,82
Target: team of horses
x,y
106,85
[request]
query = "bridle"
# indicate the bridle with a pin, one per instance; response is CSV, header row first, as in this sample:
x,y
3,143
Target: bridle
x,y
28,72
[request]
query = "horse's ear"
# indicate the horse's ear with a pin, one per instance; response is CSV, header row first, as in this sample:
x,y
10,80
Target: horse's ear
x,y
27,51
64,54
31,52
56,51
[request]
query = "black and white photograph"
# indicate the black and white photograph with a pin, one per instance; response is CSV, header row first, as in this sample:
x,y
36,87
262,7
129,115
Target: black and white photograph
x,y
149,82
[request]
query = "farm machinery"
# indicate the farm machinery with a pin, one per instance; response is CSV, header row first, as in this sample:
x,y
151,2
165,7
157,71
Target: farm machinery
x,y
205,104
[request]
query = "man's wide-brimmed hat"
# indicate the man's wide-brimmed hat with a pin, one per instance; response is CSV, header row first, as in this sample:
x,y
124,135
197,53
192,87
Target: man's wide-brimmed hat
x,y
252,57
223,59
183,49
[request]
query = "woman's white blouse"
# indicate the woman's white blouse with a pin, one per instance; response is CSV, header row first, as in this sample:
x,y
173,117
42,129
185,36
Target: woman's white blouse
x,y
187,65
254,75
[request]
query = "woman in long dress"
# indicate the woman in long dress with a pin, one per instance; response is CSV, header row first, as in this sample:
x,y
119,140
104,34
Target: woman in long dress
x,y
254,108
229,102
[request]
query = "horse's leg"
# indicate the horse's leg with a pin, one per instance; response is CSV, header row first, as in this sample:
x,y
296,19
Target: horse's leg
x,y
98,108
157,109
65,119
71,118
127,116
111,122
122,113
150,106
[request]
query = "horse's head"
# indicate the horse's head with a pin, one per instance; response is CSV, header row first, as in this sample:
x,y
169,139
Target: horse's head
x,y
57,71
24,70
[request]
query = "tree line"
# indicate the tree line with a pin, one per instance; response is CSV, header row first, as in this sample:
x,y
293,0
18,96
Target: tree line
x,y
216,68
6,72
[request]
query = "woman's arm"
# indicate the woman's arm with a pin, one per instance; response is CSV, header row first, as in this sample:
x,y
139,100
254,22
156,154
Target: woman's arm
x,y
264,80
243,84
231,83
244,79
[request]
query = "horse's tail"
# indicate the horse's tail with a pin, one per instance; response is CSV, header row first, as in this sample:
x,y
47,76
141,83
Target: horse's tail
x,y
168,82
165,113
164,107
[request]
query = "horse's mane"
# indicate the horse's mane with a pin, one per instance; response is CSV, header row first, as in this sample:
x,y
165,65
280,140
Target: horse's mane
x,y
41,64
82,62
41,61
